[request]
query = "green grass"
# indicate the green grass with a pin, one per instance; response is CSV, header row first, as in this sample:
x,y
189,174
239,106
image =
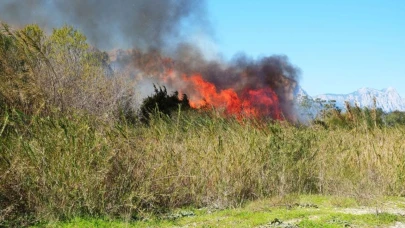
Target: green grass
x,y
256,213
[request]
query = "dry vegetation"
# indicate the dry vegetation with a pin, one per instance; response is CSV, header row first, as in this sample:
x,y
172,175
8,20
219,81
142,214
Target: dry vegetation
x,y
66,150
42,73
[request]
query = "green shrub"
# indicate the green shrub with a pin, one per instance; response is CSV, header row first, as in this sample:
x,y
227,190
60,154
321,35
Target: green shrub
x,y
395,118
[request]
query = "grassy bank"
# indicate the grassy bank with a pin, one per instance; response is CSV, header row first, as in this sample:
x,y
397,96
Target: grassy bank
x,y
289,211
62,167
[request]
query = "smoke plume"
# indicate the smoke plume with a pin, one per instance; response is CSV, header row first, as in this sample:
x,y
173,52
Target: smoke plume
x,y
153,33
131,23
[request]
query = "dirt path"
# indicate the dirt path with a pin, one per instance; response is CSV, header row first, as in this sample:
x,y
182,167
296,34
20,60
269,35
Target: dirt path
x,y
399,225
393,209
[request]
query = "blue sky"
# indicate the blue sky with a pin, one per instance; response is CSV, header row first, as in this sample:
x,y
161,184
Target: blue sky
x,y
340,46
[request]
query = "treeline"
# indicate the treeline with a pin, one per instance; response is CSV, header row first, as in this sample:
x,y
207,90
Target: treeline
x,y
61,73
354,116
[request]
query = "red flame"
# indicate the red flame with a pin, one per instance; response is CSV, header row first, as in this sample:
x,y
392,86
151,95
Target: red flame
x,y
250,103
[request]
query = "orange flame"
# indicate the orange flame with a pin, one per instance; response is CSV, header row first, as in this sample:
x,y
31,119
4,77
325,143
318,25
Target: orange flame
x,y
251,103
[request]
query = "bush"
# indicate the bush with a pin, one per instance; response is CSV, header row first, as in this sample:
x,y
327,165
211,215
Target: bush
x,y
161,103
395,118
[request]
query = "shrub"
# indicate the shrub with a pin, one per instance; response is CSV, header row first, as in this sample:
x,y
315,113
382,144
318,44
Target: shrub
x,y
395,118
161,103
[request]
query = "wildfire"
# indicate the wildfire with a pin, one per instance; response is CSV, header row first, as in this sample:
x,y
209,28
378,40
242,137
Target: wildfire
x,y
262,88
255,103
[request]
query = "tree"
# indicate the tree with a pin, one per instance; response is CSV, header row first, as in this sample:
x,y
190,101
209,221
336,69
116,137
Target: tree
x,y
62,71
162,103
19,58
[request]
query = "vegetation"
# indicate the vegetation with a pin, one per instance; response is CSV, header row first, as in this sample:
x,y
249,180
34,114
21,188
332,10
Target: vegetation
x,y
65,167
71,146
41,73
161,103
395,118
290,211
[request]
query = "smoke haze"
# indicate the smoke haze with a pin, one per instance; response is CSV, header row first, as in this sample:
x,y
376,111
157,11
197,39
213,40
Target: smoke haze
x,y
134,23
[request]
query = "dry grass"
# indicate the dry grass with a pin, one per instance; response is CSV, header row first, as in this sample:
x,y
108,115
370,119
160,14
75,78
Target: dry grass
x,y
65,167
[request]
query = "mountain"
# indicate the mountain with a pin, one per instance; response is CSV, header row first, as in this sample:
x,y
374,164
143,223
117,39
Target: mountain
x,y
305,106
387,99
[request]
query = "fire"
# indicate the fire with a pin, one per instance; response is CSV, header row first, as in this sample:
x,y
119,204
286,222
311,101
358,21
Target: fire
x,y
250,103
262,102
240,88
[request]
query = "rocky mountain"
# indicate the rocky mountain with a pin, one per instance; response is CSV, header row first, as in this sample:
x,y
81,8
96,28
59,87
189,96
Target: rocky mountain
x,y
388,99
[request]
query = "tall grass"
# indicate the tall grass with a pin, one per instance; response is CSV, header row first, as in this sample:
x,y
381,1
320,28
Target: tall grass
x,y
61,167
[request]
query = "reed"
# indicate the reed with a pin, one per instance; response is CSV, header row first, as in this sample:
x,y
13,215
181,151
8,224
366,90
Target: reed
x,y
63,167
